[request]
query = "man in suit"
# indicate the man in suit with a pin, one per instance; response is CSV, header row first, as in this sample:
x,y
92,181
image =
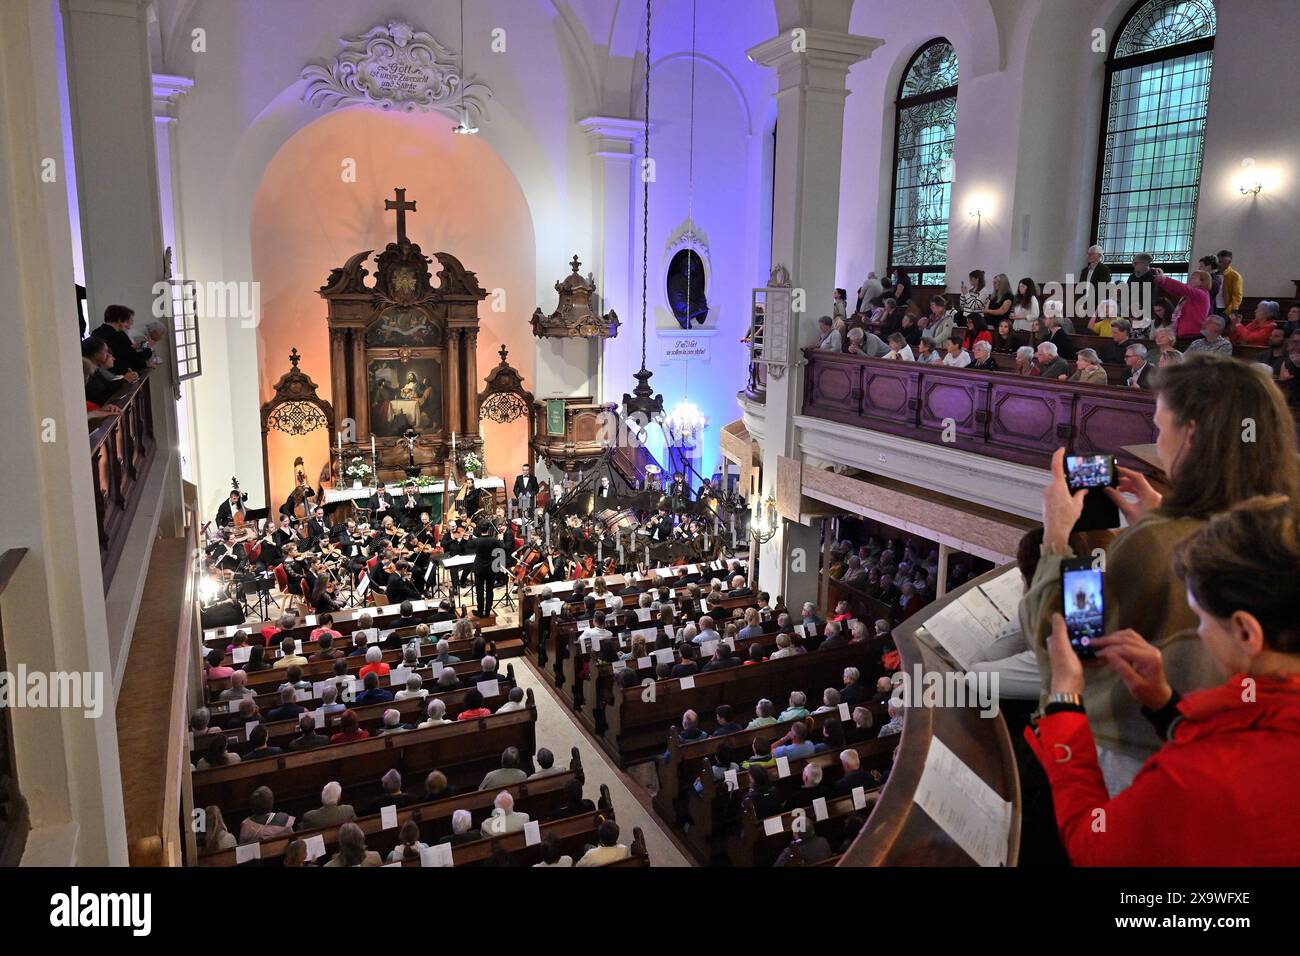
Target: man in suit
x,y
409,508
330,813
317,528
289,709
1057,335
525,489
381,506
739,588
1140,372
489,553
1096,274
401,588
811,789
852,693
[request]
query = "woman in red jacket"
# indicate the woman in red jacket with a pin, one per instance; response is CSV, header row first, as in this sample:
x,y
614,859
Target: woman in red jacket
x,y
1222,790
1257,331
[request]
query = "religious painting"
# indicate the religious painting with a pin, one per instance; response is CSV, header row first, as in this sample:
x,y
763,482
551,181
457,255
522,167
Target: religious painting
x,y
405,327
405,394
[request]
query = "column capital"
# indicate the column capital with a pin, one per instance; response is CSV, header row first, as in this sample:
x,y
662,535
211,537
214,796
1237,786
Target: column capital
x,y
612,136
167,92
812,57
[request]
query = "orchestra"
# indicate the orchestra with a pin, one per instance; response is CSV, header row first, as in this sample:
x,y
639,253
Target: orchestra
x,y
398,548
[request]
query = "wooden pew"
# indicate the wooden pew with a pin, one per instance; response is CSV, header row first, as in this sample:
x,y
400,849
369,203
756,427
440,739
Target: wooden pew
x,y
539,798
639,719
473,746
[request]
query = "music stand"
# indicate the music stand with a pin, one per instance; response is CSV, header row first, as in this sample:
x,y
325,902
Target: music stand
x,y
256,595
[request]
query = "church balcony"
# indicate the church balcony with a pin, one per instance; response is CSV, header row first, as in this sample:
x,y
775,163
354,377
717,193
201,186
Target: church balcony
x,y
122,452
756,384
995,414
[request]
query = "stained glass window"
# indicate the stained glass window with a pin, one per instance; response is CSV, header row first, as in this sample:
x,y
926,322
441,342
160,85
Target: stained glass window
x,y
925,129
1153,133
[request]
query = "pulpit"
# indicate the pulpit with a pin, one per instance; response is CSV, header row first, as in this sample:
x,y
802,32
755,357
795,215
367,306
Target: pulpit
x,y
403,354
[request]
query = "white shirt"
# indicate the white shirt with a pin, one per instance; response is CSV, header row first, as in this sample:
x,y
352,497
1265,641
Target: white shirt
x,y
595,635
960,360
410,694
1022,317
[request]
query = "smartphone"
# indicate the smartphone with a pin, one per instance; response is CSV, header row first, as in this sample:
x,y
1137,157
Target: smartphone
x,y
1090,471
1082,605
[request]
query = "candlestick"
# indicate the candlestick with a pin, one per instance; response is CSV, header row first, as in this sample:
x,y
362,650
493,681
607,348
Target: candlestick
x,y
340,446
453,443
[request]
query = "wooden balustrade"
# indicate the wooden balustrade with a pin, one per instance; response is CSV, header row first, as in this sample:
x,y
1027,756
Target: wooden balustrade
x,y
989,413
14,822
121,452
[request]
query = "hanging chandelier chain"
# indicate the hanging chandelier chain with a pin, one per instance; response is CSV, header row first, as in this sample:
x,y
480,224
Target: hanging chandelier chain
x,y
645,191
690,204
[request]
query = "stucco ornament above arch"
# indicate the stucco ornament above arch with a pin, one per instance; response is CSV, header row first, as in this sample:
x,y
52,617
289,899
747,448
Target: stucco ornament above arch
x,y
393,66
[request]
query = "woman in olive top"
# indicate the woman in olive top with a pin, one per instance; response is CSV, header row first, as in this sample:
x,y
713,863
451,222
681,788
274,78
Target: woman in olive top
x,y
1224,434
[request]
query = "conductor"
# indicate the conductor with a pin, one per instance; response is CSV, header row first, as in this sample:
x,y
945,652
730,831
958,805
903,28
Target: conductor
x,y
488,549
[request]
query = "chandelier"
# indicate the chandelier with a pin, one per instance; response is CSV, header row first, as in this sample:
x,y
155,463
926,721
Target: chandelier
x,y
685,423
763,520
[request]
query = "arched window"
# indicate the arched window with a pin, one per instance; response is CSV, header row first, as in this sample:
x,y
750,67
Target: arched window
x,y
925,125
1153,133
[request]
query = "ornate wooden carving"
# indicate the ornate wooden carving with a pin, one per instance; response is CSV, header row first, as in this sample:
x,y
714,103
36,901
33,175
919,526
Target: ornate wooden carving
x,y
574,316
402,350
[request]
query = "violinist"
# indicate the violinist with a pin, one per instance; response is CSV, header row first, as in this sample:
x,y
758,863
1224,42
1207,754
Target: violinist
x,y
427,534
384,570
453,545
402,588
350,545
324,598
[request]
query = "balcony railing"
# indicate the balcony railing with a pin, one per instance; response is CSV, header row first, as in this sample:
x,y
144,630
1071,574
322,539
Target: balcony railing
x,y
121,452
999,414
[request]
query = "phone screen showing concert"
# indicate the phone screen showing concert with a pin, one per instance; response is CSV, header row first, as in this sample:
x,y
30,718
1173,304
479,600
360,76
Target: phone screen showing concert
x,y
1090,471
1084,615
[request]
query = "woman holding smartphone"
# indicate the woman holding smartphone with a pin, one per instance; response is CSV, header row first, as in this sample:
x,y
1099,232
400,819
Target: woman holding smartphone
x,y
1216,792
1224,434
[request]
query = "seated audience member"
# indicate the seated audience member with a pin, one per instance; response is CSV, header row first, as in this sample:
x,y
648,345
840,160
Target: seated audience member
x,y
505,775
1217,792
504,819
574,802
982,358
854,776
828,337
289,655
1089,370
954,355
1121,337
1140,372
899,350
258,746
391,723
435,714
1003,338
474,708
800,746
352,849
798,707
1058,335
375,663
895,723
330,813
1200,406
866,344
289,708
238,689
1212,338
350,729
372,693
762,715
218,753
551,855
263,822
1025,361
307,738
414,689
214,669
938,322
1048,363
1102,322
806,849
461,832
546,767
408,843
811,788
391,794
608,850
215,836
926,353
514,701
722,659
1169,357
760,754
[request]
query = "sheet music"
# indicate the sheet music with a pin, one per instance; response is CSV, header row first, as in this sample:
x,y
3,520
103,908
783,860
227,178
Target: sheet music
x,y
967,808
1005,591
968,625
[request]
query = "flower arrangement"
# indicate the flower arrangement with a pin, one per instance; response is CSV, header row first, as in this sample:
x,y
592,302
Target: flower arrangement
x,y
472,464
358,469
426,481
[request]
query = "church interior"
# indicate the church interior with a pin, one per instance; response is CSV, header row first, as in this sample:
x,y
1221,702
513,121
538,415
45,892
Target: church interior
x,y
690,433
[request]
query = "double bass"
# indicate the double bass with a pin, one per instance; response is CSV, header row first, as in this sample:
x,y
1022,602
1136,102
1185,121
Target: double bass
x,y
302,491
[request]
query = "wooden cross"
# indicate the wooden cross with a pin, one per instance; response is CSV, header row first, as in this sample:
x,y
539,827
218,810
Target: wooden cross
x,y
402,206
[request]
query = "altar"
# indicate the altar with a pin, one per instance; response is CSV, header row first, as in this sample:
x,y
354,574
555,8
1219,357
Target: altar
x,y
335,496
403,358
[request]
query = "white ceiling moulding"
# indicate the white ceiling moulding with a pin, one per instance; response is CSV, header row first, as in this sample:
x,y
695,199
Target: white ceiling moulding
x,y
395,67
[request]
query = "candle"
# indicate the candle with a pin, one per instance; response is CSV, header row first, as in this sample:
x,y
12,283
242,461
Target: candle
x,y
340,444
647,556
453,443
372,446
600,550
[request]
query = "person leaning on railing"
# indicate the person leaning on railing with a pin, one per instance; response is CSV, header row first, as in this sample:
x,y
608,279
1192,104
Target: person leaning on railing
x,y
1201,404
1221,790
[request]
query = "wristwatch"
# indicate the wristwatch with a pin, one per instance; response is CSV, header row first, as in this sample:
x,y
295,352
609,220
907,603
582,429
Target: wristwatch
x,y
1063,701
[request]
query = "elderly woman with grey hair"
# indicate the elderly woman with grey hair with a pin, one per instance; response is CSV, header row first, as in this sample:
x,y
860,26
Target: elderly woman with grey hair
x,y
982,357
1165,338
1025,360
1090,372
436,713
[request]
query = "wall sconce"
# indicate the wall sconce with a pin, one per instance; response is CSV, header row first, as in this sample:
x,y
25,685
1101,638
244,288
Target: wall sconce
x,y
976,213
763,521
1250,183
